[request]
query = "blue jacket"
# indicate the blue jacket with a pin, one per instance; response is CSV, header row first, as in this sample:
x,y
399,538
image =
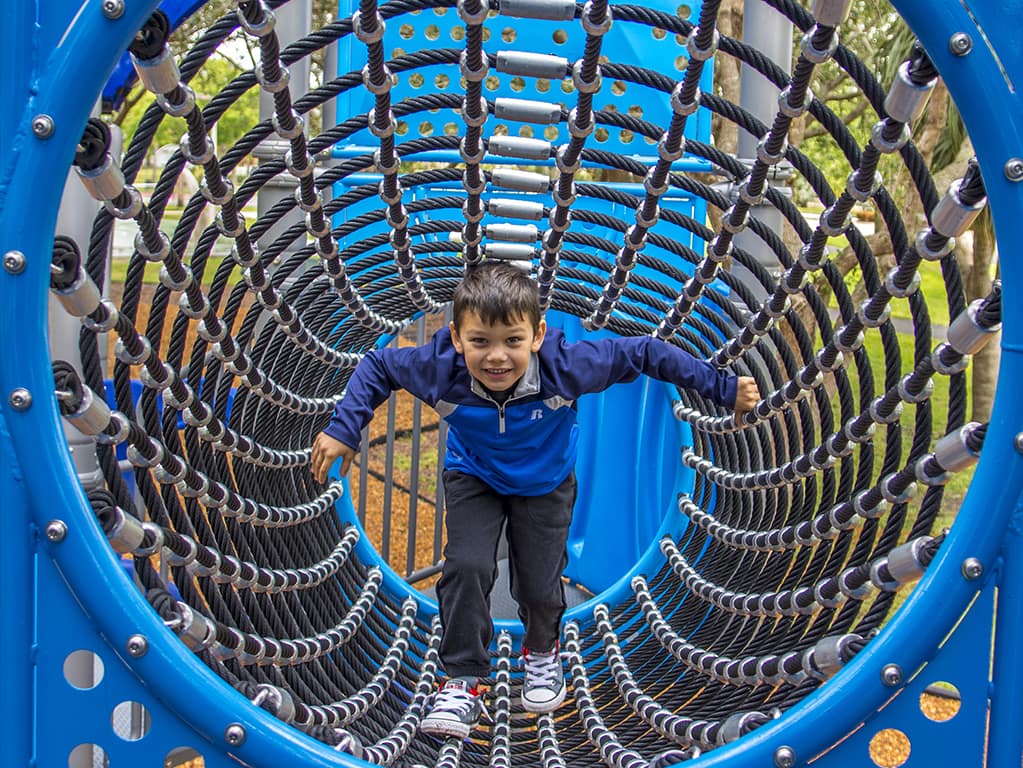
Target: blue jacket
x,y
527,446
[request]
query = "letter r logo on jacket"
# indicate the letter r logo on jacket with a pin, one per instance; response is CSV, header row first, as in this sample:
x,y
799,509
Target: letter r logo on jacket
x,y
536,414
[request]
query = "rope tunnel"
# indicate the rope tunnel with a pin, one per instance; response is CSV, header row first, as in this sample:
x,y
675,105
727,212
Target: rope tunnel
x,y
736,584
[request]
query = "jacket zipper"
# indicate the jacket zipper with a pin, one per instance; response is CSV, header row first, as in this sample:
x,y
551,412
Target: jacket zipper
x,y
500,406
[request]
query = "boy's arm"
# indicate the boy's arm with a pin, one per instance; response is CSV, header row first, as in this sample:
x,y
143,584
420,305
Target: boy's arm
x,y
379,373
593,366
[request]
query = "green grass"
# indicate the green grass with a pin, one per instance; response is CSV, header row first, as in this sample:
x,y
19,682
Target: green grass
x,y
151,274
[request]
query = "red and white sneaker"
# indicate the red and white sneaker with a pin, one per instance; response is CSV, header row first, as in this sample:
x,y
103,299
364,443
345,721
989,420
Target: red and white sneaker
x,y
455,712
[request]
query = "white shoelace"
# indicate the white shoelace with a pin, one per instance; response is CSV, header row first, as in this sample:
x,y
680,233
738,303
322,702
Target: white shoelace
x,y
544,671
452,698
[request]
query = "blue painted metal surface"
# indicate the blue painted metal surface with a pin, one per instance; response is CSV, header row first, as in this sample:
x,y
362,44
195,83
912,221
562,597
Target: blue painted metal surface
x,y
67,48
427,30
49,47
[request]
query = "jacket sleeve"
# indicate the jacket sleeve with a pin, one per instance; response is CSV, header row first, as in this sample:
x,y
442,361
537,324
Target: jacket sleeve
x,y
593,366
418,370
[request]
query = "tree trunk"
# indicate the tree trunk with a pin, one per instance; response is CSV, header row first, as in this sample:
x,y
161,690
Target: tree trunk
x,y
726,77
985,362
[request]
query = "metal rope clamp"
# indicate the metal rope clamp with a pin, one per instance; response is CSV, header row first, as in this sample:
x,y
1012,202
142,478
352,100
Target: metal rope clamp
x,y
375,36
856,193
159,74
791,110
119,435
472,75
830,13
221,199
195,630
105,182
92,415
701,54
260,28
583,86
905,99
885,146
81,298
298,129
473,19
829,654
138,459
378,89
126,532
904,563
680,108
128,358
951,217
894,290
176,285
596,29
817,55
953,452
180,108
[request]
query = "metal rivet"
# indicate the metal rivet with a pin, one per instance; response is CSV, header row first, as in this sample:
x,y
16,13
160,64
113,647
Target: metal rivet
x,y
113,9
1018,442
784,757
14,262
1014,169
137,646
56,530
235,734
972,568
891,674
42,126
960,44
20,399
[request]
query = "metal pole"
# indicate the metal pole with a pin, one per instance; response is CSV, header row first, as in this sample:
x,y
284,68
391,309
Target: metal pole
x,y
766,30
74,219
294,21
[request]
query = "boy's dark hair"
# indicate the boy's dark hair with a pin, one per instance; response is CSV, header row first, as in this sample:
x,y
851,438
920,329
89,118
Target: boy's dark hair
x,y
497,292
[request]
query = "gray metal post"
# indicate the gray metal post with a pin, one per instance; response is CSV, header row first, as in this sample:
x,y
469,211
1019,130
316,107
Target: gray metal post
x,y
74,219
769,32
294,22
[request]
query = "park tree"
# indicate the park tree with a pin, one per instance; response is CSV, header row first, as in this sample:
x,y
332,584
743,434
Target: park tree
x,y
881,40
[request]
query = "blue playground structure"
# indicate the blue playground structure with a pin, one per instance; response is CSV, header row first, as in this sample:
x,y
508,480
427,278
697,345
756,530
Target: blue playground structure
x,y
804,587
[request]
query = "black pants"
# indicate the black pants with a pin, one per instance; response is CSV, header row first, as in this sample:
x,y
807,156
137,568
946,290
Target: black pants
x,y
537,532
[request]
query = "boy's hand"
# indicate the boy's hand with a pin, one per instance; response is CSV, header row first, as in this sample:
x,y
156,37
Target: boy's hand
x,y
747,394
326,451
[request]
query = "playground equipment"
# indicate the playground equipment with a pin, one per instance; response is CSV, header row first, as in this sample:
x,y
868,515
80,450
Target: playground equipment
x,y
748,617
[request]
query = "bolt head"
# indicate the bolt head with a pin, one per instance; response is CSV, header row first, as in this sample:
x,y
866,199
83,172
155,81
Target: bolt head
x,y
20,399
1014,169
960,44
56,531
14,262
113,9
42,126
891,674
973,569
137,646
1018,442
235,734
784,757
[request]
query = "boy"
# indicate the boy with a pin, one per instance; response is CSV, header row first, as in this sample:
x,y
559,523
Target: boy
x,y
507,387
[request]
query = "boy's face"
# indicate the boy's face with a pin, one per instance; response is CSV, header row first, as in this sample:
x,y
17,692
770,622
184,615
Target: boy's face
x,y
496,354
